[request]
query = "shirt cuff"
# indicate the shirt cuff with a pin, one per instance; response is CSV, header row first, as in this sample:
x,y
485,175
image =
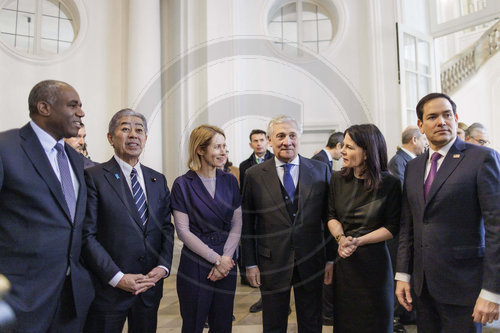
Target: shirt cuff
x,y
402,277
489,296
330,262
114,281
166,270
248,267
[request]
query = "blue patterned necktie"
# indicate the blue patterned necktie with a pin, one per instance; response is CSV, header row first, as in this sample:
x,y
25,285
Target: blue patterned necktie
x,y
139,197
66,181
288,181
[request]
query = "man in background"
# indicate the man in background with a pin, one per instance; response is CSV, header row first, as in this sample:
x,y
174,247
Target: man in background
x,y
78,143
477,134
414,143
42,206
332,150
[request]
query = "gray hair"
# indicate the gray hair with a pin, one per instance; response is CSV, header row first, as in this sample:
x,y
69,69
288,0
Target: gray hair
x,y
475,128
44,91
115,121
282,119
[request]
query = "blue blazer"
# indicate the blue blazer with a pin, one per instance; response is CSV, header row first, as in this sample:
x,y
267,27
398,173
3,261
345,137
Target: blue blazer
x,y
321,156
397,164
454,237
114,238
38,240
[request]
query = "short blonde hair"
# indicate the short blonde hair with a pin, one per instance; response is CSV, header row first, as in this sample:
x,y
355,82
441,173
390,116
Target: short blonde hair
x,y
200,138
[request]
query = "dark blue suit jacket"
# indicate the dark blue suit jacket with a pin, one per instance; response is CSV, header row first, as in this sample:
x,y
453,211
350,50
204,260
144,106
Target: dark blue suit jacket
x,y
454,237
114,238
397,164
38,240
250,162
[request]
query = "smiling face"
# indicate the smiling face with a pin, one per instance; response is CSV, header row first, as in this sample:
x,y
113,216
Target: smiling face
x,y
62,118
285,141
214,156
353,155
439,123
128,139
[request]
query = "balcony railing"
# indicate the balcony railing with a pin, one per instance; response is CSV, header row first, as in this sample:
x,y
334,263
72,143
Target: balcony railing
x,y
464,65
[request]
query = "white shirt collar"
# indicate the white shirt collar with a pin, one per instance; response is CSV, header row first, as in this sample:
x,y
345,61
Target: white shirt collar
x,y
48,142
412,155
127,168
295,161
443,150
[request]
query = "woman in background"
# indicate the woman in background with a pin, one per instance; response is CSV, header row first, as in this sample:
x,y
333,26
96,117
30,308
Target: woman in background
x,y
207,214
364,210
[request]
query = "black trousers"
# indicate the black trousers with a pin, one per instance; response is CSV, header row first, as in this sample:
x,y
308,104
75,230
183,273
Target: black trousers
x,y
435,317
307,304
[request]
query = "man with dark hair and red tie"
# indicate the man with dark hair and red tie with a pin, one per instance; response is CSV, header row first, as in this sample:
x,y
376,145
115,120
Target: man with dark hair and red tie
x,y
450,227
128,236
42,206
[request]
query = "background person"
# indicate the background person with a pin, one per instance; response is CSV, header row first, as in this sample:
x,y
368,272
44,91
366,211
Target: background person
x,y
207,214
363,208
78,143
477,134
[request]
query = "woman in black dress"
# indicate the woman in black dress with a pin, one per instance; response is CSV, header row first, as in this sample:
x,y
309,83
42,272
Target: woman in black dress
x,y
364,209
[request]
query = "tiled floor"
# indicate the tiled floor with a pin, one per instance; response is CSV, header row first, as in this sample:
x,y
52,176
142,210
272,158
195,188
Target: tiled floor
x,y
169,319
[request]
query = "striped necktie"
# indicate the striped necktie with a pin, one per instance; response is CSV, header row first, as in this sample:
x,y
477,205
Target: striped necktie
x,y
139,197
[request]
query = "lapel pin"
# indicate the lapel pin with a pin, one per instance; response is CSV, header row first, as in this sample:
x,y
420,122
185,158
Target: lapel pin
x,y
153,179
456,155
117,176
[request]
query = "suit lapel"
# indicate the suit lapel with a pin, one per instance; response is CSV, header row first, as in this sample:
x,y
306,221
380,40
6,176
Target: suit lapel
x,y
418,177
451,161
151,192
304,183
273,186
118,183
34,151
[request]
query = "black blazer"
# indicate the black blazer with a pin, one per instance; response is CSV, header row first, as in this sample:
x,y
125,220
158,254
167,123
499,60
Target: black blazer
x,y
397,164
248,163
38,240
114,238
454,237
282,243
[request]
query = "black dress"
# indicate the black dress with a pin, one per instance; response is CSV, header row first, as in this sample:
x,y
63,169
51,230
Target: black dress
x,y
363,282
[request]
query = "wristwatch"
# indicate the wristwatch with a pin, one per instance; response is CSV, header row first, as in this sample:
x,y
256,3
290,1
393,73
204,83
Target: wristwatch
x,y
217,263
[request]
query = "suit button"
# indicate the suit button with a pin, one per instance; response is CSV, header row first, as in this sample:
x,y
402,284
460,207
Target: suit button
x,y
141,258
286,197
294,214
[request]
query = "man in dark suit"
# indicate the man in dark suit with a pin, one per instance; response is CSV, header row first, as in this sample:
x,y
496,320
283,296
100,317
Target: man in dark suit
x,y
78,143
414,144
128,236
258,143
450,227
284,205
332,150
42,207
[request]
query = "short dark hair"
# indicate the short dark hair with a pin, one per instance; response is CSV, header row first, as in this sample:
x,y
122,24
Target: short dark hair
x,y
334,139
44,91
371,140
256,131
431,96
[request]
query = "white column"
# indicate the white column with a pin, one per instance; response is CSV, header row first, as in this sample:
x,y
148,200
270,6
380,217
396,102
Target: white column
x,y
144,65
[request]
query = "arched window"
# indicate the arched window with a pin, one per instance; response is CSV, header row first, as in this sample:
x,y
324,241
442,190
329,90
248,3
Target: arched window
x,y
38,27
301,24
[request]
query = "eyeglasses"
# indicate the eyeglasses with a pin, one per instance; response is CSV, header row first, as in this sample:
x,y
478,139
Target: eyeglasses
x,y
481,141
